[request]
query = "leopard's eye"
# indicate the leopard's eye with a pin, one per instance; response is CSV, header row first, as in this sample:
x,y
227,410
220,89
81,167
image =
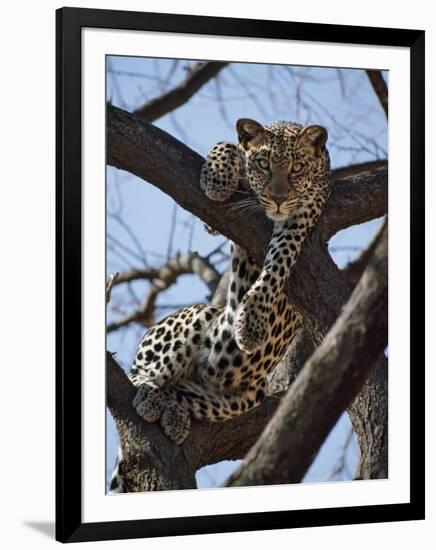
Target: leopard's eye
x,y
297,167
263,164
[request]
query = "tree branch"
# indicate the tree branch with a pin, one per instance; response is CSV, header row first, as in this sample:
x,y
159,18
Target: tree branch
x,y
148,456
328,383
356,169
287,370
153,155
109,285
136,274
369,415
380,88
316,286
159,464
208,443
198,76
162,279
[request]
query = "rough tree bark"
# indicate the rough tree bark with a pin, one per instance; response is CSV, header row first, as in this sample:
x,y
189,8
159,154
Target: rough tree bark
x,y
317,287
328,382
152,462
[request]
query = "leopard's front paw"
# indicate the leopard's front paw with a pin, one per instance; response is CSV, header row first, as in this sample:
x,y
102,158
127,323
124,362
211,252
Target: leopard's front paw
x,y
149,402
250,331
219,176
175,422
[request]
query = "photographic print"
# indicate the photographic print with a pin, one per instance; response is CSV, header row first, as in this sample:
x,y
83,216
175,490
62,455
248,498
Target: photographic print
x,y
248,337
227,352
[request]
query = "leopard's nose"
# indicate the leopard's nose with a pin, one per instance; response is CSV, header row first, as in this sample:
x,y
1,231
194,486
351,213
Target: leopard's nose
x,y
279,199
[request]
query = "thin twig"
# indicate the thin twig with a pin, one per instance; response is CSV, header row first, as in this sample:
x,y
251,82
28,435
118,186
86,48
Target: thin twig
x,y
109,285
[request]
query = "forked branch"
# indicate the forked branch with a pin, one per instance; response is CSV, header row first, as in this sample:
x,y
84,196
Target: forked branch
x,y
316,286
327,384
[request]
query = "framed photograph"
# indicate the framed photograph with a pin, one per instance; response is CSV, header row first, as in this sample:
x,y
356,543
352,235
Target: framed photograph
x,y
240,343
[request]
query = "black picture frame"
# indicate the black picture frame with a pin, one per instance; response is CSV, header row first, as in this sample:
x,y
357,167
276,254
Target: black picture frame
x,y
69,22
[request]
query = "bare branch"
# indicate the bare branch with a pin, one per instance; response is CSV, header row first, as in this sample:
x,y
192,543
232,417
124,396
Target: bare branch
x,y
198,76
220,295
136,274
380,88
329,382
162,279
111,281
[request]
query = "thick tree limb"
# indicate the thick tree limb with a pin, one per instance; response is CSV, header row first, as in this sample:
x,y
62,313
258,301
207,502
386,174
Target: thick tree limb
x,y
152,462
286,371
153,155
316,286
207,444
198,76
369,414
356,169
329,382
148,456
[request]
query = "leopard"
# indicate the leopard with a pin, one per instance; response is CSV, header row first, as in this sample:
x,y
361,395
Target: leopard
x,y
212,363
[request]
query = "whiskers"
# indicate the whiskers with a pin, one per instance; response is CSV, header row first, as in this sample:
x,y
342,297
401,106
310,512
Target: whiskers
x,y
266,201
248,205
244,192
290,204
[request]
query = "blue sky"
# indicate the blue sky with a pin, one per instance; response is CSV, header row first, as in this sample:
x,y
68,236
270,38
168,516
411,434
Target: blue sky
x,y
140,216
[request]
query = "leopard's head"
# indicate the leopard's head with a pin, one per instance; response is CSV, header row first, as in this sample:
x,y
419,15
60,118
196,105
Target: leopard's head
x,y
286,163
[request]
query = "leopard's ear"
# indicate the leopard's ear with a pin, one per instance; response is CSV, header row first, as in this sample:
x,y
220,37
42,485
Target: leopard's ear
x,y
250,132
314,137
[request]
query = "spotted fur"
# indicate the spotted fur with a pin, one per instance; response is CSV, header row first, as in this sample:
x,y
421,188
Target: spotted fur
x,y
212,363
